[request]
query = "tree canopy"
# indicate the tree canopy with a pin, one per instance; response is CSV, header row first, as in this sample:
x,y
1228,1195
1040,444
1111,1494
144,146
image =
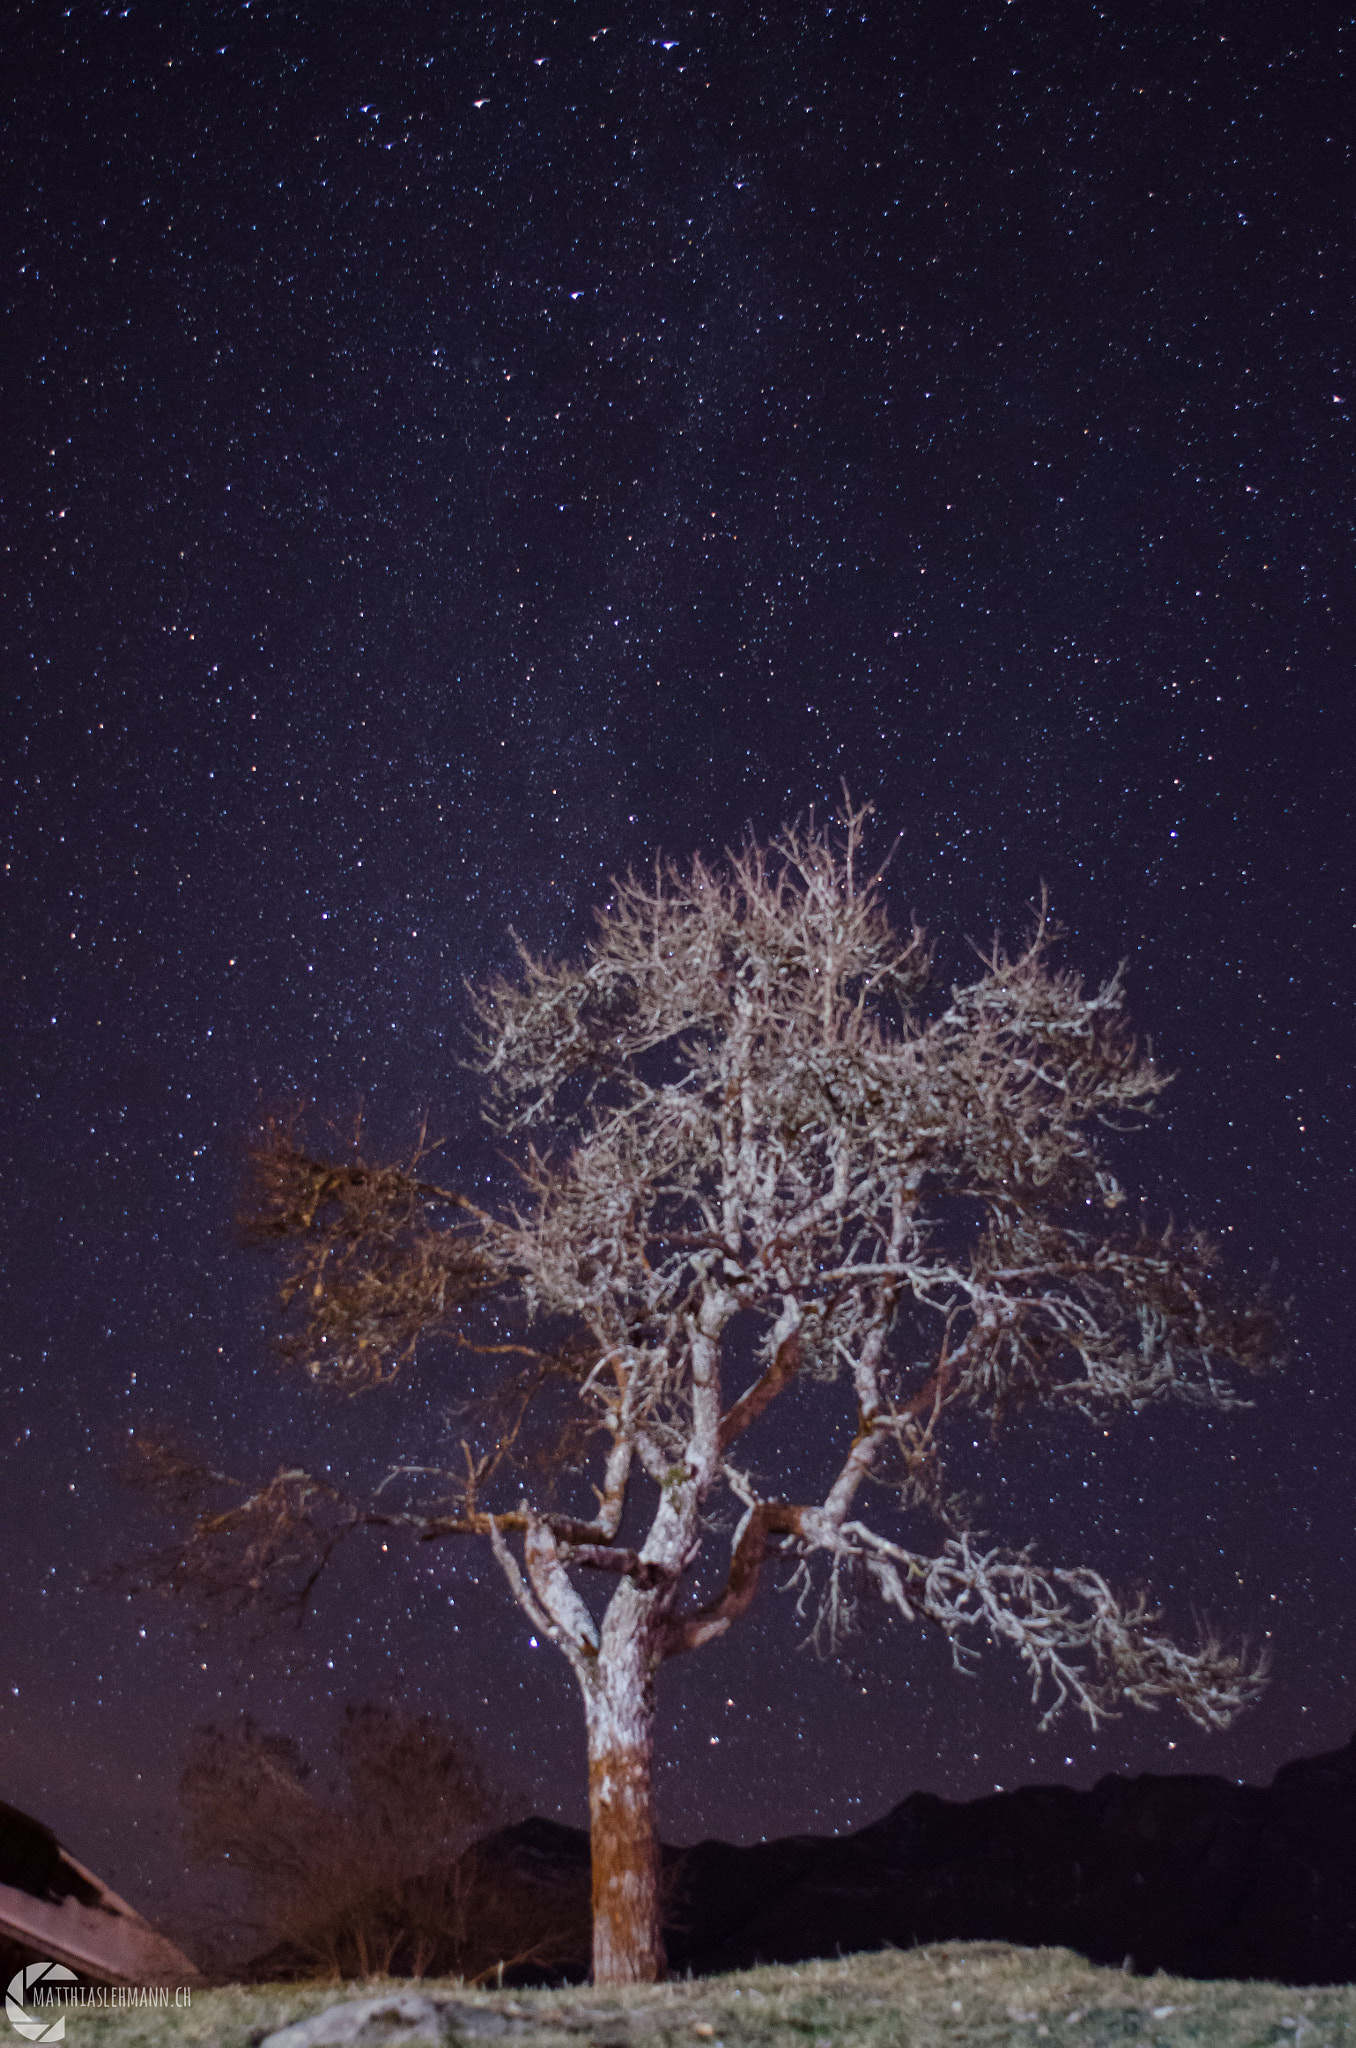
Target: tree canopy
x,y
760,1145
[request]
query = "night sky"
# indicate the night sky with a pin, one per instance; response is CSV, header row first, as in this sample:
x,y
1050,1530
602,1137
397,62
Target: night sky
x,y
446,456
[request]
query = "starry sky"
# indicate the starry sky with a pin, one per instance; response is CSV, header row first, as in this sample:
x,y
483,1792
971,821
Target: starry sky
x,y
446,456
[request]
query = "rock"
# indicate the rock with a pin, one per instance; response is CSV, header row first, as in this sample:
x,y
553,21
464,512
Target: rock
x,y
406,2017
434,2020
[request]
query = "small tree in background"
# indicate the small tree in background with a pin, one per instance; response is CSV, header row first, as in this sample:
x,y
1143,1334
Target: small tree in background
x,y
379,1869
760,1148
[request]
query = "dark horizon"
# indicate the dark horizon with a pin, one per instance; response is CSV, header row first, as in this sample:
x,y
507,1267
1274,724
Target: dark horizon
x,y
449,460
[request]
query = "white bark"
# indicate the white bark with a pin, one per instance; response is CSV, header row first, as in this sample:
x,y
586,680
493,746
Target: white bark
x,y
618,1689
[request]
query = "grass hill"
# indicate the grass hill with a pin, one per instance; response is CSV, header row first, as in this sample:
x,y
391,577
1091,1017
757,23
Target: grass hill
x,y
954,1995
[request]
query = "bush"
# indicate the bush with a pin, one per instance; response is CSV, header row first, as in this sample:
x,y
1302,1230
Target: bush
x,y
376,1871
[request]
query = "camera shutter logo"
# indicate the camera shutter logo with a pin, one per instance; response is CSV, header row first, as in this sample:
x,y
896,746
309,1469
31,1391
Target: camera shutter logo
x,y
25,2022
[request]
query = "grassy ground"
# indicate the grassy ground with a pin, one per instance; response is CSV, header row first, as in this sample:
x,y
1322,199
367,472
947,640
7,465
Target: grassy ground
x,y
958,1995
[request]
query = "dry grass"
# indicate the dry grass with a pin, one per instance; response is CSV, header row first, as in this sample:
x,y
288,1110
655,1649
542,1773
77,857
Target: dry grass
x,y
956,1995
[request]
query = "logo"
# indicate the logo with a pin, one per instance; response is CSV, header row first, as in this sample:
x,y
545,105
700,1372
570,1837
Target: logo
x,y
26,2023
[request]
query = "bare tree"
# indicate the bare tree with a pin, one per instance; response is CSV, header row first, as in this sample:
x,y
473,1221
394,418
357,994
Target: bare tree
x,y
754,1127
379,1869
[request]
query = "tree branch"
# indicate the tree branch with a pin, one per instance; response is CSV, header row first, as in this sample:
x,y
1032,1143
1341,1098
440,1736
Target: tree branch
x,y
692,1631
758,1398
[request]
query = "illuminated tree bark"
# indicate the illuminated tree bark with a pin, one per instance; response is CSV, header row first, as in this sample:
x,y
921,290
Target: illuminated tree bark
x,y
628,1940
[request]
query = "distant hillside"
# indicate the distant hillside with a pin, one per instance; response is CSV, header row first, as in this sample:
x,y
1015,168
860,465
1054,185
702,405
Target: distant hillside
x,y
1197,1876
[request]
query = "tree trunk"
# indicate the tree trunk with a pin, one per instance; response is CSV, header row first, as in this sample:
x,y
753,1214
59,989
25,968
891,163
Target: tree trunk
x,y
628,1935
